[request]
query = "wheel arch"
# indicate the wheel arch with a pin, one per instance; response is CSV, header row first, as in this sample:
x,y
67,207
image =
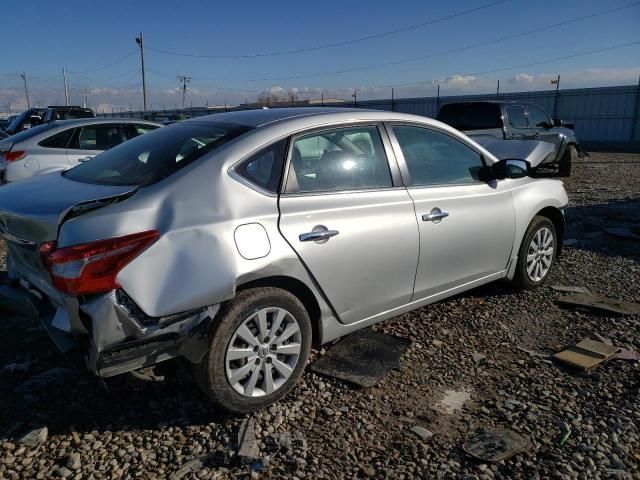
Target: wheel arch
x,y
297,288
557,218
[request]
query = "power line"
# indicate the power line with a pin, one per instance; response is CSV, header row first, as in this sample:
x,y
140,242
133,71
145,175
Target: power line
x,y
445,52
107,65
422,82
336,44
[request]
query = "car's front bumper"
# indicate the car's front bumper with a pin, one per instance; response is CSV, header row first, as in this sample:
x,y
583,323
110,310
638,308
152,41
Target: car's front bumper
x,y
111,339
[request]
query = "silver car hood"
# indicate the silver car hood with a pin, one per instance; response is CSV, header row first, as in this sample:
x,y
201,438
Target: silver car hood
x,y
32,209
534,151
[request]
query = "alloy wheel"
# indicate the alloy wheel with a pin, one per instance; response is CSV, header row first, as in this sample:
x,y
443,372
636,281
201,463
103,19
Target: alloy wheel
x,y
540,254
263,352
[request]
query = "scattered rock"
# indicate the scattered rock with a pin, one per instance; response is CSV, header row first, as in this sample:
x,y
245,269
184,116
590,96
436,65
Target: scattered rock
x,y
422,432
34,437
73,461
478,357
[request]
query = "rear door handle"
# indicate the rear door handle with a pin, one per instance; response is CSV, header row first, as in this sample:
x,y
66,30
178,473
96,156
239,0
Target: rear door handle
x,y
436,215
318,235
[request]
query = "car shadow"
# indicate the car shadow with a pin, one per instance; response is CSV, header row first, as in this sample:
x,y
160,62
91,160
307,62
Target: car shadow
x,y
611,228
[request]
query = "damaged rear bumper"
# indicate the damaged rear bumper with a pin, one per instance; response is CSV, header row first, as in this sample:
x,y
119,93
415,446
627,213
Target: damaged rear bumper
x,y
112,337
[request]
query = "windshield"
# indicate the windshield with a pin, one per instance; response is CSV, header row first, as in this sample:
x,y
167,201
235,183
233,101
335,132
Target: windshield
x,y
153,156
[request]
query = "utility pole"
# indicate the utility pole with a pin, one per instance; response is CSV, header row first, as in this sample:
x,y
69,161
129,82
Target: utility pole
x,y
184,80
498,89
555,99
85,90
66,86
355,98
140,42
438,99
26,89
392,95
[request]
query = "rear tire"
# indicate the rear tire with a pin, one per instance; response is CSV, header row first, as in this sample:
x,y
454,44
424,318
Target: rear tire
x,y
537,254
249,365
570,155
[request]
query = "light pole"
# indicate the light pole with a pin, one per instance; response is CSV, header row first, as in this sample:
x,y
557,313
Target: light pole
x,y
140,42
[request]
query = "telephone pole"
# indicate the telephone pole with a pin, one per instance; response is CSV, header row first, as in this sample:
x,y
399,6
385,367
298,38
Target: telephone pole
x,y
85,90
66,86
184,80
140,42
26,89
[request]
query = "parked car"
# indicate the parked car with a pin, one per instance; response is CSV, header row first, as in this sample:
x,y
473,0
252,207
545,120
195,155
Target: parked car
x,y
236,240
4,123
63,144
37,116
515,121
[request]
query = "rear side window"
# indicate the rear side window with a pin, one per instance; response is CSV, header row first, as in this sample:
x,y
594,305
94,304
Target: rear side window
x,y
351,158
471,115
151,157
264,168
59,140
516,116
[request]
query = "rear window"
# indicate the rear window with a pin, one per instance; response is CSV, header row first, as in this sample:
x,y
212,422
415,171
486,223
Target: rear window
x,y
155,155
72,114
471,116
31,132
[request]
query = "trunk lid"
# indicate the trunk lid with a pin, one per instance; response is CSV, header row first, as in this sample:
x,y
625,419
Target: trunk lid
x,y
31,210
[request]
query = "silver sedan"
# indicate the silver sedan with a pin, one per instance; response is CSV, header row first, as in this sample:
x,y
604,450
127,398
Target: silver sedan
x,y
237,240
63,144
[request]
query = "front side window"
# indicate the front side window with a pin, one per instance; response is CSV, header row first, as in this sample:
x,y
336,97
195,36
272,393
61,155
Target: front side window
x,y
434,158
155,155
264,168
538,118
351,158
516,116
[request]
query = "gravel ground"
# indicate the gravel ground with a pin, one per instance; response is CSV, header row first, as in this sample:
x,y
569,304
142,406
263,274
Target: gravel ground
x,y
128,427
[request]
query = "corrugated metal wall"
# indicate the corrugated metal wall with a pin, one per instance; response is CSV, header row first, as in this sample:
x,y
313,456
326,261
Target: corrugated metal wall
x,y
604,115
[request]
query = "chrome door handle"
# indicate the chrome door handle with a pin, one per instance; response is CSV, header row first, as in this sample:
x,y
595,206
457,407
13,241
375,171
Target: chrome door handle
x,y
436,215
318,235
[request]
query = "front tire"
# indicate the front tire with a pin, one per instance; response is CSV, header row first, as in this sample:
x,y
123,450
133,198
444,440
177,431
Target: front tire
x,y
258,349
537,253
568,158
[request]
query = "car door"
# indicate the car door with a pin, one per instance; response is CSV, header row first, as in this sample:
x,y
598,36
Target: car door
x,y
516,122
345,212
90,140
541,126
466,225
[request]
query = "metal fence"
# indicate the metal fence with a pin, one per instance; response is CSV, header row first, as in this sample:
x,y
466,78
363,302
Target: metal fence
x,y
603,116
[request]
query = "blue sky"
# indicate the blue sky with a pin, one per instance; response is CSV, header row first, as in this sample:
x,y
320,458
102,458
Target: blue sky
x,y
42,37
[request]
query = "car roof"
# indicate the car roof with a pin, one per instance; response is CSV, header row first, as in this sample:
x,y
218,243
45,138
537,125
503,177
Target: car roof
x,y
78,122
497,102
262,117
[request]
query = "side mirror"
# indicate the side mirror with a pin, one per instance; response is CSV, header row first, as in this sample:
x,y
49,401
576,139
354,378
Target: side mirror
x,y
510,168
557,122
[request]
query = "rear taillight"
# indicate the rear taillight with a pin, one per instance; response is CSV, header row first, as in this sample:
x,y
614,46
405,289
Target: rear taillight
x,y
14,156
93,267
